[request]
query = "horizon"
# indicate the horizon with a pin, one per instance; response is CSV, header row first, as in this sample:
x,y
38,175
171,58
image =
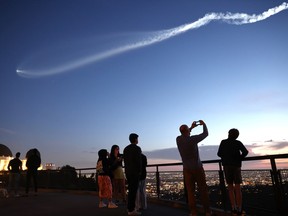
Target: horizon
x,y
171,155
96,71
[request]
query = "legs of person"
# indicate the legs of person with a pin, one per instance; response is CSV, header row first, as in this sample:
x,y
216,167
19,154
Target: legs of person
x,y
238,196
101,191
142,191
28,179
237,188
203,189
121,184
108,190
115,189
141,202
105,191
137,200
35,180
190,188
119,189
229,177
231,193
11,181
122,189
17,180
100,188
132,192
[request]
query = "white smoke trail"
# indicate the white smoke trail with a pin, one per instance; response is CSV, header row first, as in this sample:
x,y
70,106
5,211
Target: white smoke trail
x,y
235,19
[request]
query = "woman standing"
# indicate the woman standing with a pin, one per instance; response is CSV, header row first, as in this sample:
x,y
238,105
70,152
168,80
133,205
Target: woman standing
x,y
104,181
118,180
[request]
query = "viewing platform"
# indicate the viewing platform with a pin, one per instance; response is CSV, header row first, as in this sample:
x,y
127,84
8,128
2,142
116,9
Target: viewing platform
x,y
71,191
74,203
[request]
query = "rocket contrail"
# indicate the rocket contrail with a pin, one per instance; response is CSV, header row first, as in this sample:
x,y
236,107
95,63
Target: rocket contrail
x,y
230,18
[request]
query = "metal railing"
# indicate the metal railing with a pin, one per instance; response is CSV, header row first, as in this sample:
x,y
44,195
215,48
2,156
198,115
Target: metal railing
x,y
275,185
278,189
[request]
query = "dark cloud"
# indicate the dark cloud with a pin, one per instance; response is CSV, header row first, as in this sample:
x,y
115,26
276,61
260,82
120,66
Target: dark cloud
x,y
209,152
169,153
7,131
206,153
279,145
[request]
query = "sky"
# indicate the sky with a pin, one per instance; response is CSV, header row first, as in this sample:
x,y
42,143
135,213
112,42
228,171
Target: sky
x,y
79,76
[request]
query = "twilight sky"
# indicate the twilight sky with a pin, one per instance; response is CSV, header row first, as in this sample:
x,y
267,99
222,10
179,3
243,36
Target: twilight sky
x,y
77,76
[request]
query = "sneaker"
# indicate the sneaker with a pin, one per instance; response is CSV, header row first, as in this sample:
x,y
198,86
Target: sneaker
x,y
112,205
134,213
233,212
240,213
102,205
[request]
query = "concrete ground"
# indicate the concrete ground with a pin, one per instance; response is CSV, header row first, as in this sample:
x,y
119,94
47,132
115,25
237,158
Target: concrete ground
x,y
55,203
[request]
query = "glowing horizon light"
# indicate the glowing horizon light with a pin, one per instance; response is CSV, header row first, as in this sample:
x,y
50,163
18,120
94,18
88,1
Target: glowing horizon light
x,y
4,161
155,37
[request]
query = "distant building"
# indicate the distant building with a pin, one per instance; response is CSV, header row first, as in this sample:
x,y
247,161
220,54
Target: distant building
x,y
4,162
5,151
5,157
50,166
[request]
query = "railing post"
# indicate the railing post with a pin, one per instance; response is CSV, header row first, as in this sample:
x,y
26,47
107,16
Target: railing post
x,y
80,180
277,185
158,182
222,188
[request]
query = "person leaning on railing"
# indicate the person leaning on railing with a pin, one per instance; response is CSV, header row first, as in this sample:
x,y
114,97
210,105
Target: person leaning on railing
x,y
232,152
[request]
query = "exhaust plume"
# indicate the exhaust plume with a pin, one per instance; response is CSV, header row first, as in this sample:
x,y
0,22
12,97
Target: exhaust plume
x,y
155,37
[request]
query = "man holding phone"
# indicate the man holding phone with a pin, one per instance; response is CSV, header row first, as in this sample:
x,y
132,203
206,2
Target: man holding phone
x,y
193,170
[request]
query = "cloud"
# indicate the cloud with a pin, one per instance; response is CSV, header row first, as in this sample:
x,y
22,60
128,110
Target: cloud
x,y
271,147
209,152
169,153
7,131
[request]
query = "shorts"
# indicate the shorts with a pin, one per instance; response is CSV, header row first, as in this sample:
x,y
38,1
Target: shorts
x,y
233,174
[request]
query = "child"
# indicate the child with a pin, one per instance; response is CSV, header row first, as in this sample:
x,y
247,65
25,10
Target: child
x,y
104,181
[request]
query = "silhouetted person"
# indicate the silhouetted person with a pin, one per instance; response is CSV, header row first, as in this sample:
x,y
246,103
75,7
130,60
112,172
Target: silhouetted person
x,y
132,161
118,179
231,152
32,164
104,180
193,170
141,199
15,168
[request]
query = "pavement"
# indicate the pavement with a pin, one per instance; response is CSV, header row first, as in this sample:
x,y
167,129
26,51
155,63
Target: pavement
x,y
72,203
80,203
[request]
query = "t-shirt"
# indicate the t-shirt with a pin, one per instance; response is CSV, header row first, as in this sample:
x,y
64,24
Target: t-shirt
x,y
232,152
14,165
132,160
